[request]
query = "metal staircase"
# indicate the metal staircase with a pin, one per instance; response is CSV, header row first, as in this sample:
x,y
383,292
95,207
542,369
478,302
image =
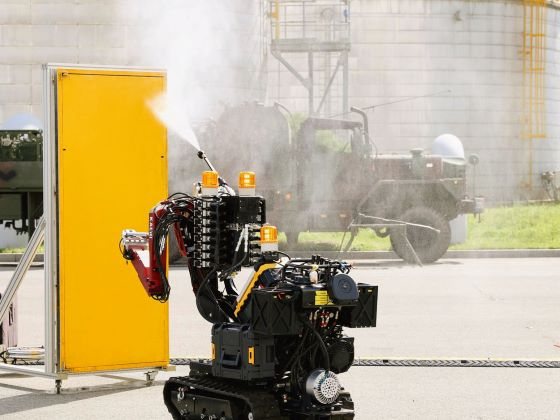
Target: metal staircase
x,y
317,31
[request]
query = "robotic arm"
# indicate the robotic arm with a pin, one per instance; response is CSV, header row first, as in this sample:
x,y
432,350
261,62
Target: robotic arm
x,y
148,251
218,232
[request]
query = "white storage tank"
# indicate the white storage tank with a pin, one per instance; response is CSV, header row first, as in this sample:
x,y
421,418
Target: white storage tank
x,y
459,64
450,147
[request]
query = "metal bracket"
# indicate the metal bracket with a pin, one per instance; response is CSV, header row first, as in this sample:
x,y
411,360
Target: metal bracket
x,y
398,226
400,229
32,371
16,280
151,376
306,82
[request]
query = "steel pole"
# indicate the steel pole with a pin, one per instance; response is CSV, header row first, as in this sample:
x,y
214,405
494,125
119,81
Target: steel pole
x,y
22,267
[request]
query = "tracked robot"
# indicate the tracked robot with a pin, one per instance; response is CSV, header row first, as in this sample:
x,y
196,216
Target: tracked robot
x,y
277,341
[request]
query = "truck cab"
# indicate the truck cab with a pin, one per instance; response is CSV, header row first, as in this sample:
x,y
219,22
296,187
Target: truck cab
x,y
333,166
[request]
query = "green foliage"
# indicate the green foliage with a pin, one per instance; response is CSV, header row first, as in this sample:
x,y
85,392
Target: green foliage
x,y
366,240
296,121
517,227
521,226
328,141
325,140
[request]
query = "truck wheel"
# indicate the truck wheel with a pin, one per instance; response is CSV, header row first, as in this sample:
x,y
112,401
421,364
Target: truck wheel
x,y
291,240
428,245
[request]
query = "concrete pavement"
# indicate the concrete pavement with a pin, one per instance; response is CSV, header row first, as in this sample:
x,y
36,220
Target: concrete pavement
x,y
502,308
363,257
379,393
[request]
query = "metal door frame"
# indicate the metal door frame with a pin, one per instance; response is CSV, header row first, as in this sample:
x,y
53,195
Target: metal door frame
x,y
47,232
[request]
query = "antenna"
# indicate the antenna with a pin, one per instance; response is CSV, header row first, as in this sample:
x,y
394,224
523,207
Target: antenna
x,y
395,102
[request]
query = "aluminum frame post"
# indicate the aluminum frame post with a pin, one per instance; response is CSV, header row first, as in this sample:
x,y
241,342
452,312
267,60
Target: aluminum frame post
x,y
22,267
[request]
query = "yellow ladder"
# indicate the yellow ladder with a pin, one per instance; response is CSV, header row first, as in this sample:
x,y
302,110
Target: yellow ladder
x,y
534,60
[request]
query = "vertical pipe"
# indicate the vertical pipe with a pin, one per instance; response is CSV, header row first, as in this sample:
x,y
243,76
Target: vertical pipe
x,y
50,209
327,97
276,16
29,215
531,92
310,82
543,60
524,52
303,22
345,82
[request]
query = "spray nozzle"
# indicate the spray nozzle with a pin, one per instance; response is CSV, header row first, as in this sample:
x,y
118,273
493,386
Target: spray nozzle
x,y
202,155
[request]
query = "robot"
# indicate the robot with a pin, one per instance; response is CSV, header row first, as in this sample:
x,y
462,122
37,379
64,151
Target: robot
x,y
277,341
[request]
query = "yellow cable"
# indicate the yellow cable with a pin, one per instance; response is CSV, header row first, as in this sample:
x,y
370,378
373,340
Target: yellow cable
x,y
251,284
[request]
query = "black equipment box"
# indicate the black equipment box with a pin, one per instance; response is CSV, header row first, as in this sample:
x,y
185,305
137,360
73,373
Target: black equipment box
x,y
364,314
244,210
274,312
277,312
314,297
8,328
240,353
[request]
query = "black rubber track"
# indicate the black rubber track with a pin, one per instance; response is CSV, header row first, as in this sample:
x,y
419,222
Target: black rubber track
x,y
259,402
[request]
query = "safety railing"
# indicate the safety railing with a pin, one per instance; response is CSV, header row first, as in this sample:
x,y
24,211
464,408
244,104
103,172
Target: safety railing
x,y
308,20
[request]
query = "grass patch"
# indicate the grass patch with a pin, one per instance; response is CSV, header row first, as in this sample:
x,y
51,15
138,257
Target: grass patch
x,y
365,240
518,227
19,250
12,250
535,226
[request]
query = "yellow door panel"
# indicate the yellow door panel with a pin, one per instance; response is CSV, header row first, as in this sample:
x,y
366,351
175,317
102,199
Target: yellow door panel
x,y
112,168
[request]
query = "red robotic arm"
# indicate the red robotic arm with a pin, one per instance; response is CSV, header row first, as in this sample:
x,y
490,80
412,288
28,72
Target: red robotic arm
x,y
148,251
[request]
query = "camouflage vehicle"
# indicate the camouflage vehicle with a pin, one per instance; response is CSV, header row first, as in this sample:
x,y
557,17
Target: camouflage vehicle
x,y
21,179
329,173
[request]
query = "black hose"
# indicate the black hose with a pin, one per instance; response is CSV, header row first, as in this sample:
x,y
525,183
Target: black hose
x,y
204,282
198,294
326,360
291,360
161,234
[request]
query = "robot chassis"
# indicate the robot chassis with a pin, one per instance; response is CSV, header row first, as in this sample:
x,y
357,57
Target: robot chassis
x,y
277,342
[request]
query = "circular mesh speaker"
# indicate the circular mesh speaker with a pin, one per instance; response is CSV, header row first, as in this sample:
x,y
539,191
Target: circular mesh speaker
x,y
323,385
343,289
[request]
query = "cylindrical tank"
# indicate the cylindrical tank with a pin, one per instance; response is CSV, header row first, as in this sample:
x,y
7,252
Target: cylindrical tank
x,y
460,64
450,147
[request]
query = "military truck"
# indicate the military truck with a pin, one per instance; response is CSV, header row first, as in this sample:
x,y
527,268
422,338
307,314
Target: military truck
x,y
328,173
21,179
